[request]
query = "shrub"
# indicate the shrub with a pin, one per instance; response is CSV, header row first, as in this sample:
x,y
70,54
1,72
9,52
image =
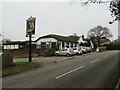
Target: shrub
x,y
7,60
102,48
49,52
113,46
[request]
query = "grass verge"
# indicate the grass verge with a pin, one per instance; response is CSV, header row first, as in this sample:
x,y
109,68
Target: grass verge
x,y
19,67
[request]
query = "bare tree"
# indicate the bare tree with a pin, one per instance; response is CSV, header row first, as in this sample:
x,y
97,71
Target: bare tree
x,y
5,40
99,32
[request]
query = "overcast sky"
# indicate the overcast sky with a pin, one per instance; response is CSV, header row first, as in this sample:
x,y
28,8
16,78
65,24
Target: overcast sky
x,y
62,18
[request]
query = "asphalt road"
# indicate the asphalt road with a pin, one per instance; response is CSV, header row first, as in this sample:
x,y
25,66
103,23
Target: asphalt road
x,y
93,70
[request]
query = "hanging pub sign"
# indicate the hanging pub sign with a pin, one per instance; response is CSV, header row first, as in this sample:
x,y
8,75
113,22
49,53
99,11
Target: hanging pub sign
x,y
30,28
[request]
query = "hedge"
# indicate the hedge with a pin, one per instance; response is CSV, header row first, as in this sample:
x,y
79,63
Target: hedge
x,y
102,48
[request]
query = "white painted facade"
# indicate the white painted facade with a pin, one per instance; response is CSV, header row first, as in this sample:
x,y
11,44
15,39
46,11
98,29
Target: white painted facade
x,y
62,44
16,46
48,41
51,40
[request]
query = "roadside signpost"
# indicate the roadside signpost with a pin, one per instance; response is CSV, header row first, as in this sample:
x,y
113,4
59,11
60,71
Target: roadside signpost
x,y
30,30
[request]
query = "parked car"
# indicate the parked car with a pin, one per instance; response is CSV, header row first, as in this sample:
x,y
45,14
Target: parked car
x,y
83,50
67,52
77,51
88,49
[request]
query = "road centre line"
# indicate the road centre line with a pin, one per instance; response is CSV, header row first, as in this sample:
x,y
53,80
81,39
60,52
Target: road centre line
x,y
106,55
62,75
95,60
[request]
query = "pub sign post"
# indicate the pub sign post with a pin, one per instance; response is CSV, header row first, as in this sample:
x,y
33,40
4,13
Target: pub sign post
x,y
30,30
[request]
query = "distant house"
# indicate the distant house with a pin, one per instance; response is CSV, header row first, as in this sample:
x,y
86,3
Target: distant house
x,y
58,41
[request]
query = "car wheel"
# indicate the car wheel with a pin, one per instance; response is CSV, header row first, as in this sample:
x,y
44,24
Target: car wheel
x,y
56,54
83,52
80,53
68,54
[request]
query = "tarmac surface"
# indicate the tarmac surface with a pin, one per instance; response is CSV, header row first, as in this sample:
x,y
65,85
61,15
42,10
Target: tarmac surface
x,y
93,70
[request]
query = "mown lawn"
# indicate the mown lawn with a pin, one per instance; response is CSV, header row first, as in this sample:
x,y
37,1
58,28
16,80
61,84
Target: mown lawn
x,y
19,67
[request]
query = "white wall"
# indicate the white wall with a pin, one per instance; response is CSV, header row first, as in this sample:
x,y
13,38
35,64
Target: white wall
x,y
11,46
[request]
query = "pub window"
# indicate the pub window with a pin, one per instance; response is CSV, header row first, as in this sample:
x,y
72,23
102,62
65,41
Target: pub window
x,y
67,45
63,44
43,45
47,45
75,45
71,45
54,45
16,46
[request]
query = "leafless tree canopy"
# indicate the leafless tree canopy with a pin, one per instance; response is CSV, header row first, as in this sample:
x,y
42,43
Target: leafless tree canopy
x,y
100,32
5,40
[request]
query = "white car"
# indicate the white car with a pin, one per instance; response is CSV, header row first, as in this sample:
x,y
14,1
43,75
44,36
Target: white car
x,y
77,51
67,52
88,49
83,49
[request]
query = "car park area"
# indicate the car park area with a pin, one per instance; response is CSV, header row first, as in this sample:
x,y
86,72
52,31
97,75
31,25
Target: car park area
x,y
53,59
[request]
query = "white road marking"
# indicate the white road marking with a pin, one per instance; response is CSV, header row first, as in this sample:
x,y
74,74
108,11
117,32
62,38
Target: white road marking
x,y
95,60
69,72
106,55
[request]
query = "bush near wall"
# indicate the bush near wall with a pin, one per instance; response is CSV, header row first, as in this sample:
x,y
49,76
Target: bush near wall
x,y
7,60
113,46
49,52
102,48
